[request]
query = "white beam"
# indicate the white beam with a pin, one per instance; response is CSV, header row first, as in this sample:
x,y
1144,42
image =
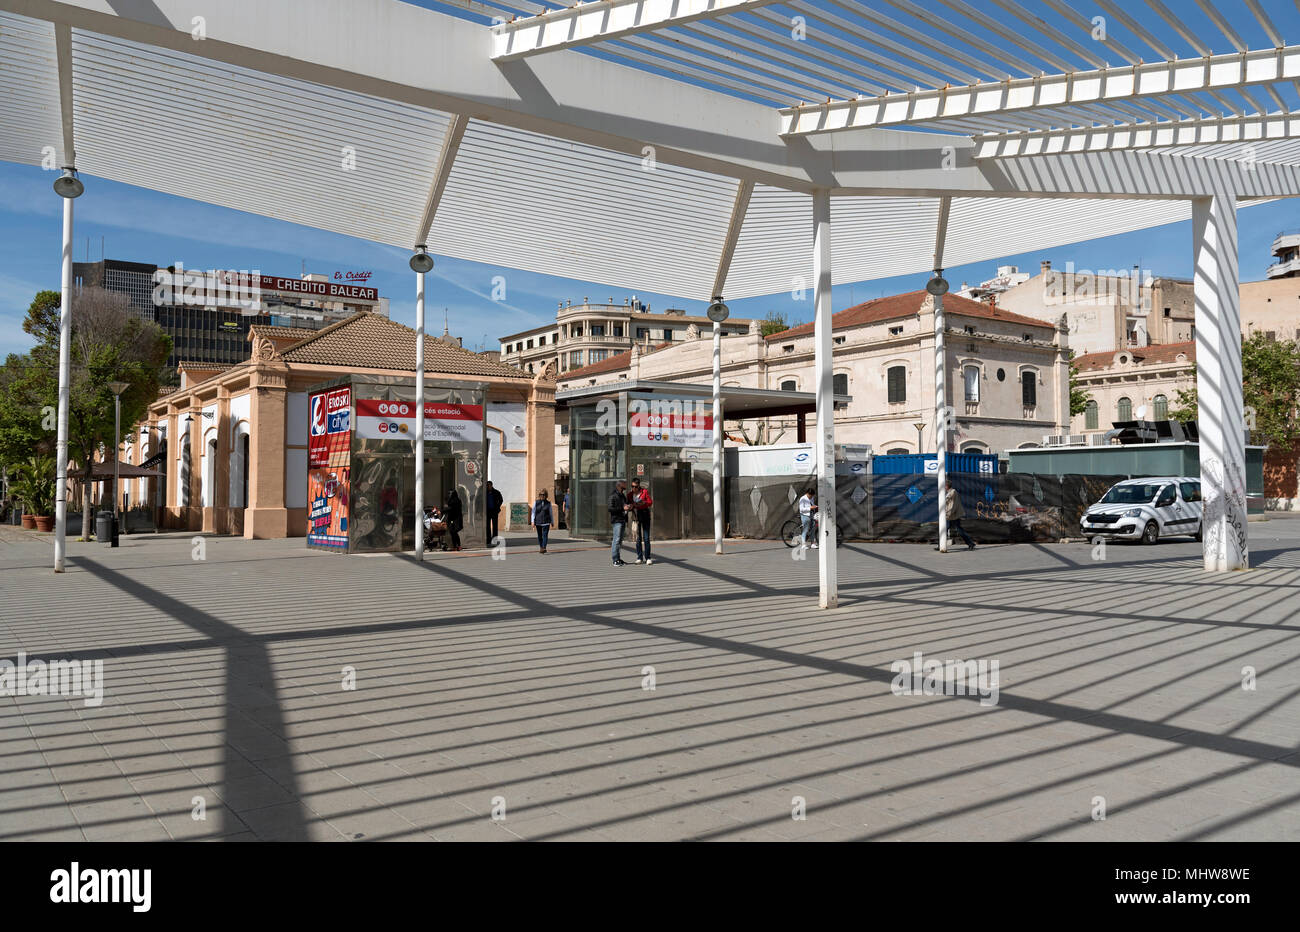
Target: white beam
x,y
63,54
446,158
1029,94
587,23
743,193
1140,136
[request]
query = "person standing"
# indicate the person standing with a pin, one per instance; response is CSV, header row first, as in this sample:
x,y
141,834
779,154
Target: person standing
x,y
541,519
494,503
566,516
618,510
641,502
956,511
455,517
807,508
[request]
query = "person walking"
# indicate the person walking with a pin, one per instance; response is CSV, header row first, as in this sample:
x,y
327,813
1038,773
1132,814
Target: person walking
x,y
956,511
808,508
494,503
639,498
618,511
455,515
565,514
541,519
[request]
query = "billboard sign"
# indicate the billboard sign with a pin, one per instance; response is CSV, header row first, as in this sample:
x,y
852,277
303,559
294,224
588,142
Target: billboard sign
x,y
395,420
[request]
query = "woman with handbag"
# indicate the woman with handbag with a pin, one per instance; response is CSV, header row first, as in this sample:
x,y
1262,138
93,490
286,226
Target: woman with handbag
x,y
541,518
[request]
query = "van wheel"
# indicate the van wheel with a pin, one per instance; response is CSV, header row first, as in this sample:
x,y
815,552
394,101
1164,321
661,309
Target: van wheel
x,y
1150,533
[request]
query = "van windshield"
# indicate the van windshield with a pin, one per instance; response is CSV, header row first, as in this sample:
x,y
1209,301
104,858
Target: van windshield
x,y
1136,494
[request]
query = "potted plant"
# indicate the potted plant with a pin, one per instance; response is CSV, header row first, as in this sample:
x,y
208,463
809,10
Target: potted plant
x,y
35,489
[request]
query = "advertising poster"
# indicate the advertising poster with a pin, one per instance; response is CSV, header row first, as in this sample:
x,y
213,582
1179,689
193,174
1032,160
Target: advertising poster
x,y
329,439
395,420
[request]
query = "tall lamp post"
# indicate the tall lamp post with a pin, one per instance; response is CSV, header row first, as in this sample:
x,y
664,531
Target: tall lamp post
x,y
717,313
69,187
421,263
116,388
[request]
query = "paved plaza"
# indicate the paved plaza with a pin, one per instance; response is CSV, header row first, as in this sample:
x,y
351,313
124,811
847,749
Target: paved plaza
x,y
518,688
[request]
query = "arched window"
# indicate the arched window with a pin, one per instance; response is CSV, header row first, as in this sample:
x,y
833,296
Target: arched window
x,y
1090,415
1160,408
789,385
1125,410
898,451
971,375
1029,388
897,379
840,383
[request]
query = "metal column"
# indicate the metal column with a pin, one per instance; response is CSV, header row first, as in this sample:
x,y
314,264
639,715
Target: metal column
x,y
941,414
419,415
61,454
826,555
717,437
1219,393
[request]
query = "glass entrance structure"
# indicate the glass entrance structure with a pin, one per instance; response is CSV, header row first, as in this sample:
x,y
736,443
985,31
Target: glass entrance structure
x,y
361,461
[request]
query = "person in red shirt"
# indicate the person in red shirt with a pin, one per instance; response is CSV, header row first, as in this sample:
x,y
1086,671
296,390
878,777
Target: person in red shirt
x,y
641,502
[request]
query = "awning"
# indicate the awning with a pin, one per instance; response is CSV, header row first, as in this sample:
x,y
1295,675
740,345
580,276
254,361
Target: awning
x,y
125,471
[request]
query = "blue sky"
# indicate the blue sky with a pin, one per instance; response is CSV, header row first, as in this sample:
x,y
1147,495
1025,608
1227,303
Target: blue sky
x,y
140,225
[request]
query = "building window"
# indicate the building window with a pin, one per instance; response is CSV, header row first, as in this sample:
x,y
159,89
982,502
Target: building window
x,y
618,330
972,379
788,348
541,341
1002,375
789,385
575,359
564,430
1124,410
575,331
1169,312
898,451
897,378
1090,416
840,383
642,332
668,333
528,344
597,355
597,330
1029,388
896,331
838,340
1160,408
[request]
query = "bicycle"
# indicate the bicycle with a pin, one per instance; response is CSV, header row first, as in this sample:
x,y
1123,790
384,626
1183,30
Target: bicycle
x,y
792,531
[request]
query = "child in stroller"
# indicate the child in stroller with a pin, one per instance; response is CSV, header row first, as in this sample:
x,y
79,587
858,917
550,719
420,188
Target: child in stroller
x,y
435,528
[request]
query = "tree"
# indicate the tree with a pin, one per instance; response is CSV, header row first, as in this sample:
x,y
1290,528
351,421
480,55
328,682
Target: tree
x,y
109,343
774,322
1079,396
1271,386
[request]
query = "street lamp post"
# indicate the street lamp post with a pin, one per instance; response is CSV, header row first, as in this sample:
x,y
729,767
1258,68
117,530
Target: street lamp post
x,y
117,388
421,263
717,313
68,187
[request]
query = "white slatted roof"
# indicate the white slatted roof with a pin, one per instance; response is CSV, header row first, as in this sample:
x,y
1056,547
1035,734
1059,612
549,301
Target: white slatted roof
x,y
619,160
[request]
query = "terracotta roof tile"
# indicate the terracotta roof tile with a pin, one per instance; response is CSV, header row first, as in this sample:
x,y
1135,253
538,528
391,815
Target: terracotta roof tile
x,y
281,334
897,306
372,341
1156,355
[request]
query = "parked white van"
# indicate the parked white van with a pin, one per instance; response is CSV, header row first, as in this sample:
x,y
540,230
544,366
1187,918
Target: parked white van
x,y
1146,510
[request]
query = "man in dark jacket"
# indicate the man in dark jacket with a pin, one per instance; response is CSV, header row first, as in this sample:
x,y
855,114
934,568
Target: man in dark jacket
x,y
494,503
618,509
455,517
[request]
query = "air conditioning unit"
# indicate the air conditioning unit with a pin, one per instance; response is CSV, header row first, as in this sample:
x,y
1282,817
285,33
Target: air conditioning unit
x,y
1098,440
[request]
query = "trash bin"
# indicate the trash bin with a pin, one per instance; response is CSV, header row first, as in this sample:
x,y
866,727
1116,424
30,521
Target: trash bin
x,y
104,526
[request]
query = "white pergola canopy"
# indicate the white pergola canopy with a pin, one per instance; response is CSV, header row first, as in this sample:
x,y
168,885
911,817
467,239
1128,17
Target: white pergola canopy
x,y
613,141
697,147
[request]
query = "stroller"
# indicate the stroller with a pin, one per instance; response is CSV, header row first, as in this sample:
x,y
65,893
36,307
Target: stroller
x,y
435,529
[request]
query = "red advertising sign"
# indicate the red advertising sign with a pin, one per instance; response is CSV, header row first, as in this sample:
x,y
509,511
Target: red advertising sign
x,y
395,420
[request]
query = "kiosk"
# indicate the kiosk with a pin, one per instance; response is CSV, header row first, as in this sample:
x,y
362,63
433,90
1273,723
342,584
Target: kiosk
x,y
361,461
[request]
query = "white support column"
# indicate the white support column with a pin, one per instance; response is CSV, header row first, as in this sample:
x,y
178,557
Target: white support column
x,y
419,415
61,448
1220,403
717,437
941,420
942,417
826,554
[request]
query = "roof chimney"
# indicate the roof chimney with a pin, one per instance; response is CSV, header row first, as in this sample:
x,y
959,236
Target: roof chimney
x,y
1045,266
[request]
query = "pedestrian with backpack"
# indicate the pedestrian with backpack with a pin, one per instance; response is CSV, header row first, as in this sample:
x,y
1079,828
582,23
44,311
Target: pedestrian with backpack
x,y
641,502
541,519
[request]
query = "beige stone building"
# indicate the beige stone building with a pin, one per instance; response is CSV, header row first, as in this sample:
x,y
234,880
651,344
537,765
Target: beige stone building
x,y
1007,374
1132,384
232,442
1106,310
587,334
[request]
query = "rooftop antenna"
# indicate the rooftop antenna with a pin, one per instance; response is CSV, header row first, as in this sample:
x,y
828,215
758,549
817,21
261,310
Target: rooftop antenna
x,y
446,330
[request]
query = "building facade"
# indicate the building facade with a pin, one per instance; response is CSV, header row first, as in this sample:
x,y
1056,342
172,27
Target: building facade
x,y
1132,385
233,446
587,334
1007,375
208,314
